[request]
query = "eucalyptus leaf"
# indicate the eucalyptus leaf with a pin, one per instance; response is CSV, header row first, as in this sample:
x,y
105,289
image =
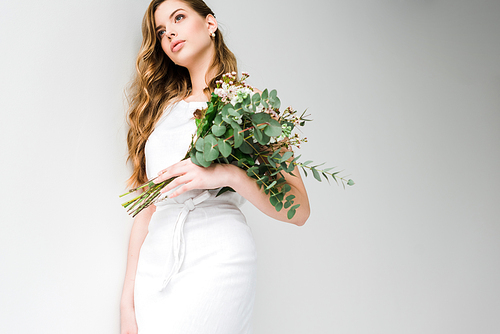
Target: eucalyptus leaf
x,y
211,150
276,103
265,94
192,155
252,171
224,148
225,189
201,160
261,117
229,133
256,99
271,185
238,137
273,129
279,206
287,155
225,109
218,130
246,148
233,112
316,174
200,142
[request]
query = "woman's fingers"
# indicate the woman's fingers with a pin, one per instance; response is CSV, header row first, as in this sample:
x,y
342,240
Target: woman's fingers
x,y
176,182
177,169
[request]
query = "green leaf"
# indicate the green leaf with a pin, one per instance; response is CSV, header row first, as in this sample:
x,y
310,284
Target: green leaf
x,y
307,162
262,138
316,174
264,103
271,185
265,94
233,112
192,155
274,201
350,182
304,170
273,94
238,137
256,99
291,211
246,148
211,150
218,130
287,188
201,160
229,133
224,148
224,189
261,117
200,142
252,171
275,103
273,129
278,206
225,110
289,198
287,155
296,158
288,204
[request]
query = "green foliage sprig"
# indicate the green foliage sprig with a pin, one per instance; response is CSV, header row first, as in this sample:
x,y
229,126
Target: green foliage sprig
x,y
245,128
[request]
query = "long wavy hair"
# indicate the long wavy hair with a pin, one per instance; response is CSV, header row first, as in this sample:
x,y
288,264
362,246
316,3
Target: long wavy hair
x,y
159,82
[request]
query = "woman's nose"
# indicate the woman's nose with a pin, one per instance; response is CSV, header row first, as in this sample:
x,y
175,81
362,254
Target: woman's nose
x,y
171,34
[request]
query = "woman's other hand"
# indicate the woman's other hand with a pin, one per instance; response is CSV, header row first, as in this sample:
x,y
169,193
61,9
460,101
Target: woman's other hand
x,y
195,177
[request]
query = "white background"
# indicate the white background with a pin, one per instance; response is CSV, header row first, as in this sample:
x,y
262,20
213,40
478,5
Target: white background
x,y
404,96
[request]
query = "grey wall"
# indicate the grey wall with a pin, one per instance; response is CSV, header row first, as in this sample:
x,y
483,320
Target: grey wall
x,y
404,97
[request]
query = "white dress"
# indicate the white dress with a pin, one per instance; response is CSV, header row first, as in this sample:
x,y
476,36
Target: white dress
x,y
197,265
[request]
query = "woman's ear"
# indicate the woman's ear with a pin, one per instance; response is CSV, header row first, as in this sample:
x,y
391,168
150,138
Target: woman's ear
x,y
211,23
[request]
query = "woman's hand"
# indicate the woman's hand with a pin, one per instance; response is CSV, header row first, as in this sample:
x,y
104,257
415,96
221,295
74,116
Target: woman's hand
x,y
128,325
195,177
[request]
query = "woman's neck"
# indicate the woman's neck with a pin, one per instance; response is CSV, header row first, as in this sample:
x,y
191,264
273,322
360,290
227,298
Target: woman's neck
x,y
199,73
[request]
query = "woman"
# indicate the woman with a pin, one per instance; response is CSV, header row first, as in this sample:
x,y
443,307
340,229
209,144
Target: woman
x,y
191,258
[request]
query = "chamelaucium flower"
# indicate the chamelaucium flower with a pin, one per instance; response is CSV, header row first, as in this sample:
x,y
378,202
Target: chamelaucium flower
x,y
243,127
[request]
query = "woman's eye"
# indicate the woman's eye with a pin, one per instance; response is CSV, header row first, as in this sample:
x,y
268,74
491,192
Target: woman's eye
x,y
160,33
179,17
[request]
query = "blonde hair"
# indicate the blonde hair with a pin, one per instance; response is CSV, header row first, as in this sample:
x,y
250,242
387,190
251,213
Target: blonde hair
x,y
159,82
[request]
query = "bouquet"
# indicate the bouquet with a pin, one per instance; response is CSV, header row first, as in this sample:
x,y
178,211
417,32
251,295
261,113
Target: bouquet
x,y
243,127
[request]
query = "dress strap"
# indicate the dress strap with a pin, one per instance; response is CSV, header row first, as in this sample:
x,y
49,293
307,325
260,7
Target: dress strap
x,y
178,243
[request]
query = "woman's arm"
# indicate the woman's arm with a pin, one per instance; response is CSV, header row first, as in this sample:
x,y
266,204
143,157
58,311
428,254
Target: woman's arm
x,y
248,188
225,175
137,236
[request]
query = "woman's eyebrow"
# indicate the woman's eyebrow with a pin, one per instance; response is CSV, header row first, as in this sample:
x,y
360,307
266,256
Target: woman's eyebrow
x,y
170,17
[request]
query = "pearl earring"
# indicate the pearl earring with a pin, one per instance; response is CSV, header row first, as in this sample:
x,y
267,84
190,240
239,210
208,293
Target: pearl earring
x,y
212,34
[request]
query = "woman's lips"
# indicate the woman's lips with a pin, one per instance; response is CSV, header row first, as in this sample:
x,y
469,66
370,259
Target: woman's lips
x,y
176,46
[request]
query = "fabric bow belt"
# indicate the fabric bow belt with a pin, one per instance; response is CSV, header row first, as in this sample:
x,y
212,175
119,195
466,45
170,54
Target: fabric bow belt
x,y
178,243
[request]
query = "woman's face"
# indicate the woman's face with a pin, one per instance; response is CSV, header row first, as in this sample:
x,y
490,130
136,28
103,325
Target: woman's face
x,y
184,35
